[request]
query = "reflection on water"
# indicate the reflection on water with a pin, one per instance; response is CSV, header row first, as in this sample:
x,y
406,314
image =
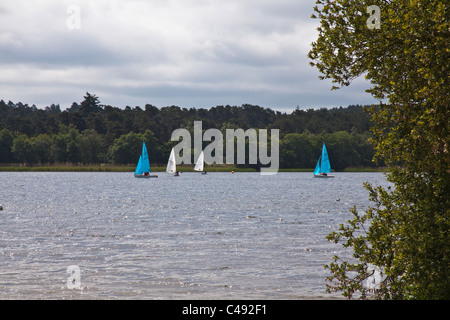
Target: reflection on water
x,y
215,236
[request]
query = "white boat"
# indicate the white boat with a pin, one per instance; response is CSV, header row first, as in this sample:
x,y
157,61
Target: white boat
x,y
200,163
172,164
323,167
143,166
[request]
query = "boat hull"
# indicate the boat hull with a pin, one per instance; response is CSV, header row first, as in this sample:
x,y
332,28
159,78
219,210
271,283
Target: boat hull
x,y
145,176
323,176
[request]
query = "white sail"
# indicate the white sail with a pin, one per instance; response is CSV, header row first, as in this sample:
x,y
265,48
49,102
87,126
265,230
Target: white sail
x,y
171,164
199,163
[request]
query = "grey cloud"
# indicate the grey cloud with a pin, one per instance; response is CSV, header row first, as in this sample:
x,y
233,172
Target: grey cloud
x,y
188,53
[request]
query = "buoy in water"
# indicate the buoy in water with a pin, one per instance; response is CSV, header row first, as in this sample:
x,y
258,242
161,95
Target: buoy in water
x,y
232,171
1,207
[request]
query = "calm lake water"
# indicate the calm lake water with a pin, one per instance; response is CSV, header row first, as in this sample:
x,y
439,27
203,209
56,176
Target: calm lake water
x,y
214,236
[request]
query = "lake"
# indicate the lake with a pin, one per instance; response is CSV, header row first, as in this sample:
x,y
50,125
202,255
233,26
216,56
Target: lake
x,y
214,236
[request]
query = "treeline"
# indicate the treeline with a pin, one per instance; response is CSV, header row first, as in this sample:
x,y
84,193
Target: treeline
x,y
92,133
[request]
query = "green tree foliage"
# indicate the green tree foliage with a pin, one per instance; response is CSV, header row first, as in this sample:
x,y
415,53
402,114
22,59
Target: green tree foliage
x,y
73,148
92,147
22,149
40,147
6,143
90,132
127,148
90,104
405,234
344,148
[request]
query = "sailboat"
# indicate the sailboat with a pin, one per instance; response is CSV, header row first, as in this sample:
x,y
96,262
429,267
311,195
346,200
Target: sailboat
x,y
143,166
172,164
323,167
200,163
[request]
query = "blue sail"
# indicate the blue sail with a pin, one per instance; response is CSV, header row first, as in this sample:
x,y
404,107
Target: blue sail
x,y
325,166
139,166
317,170
145,160
143,164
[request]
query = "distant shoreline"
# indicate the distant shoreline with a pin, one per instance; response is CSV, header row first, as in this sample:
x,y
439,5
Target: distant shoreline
x,y
125,168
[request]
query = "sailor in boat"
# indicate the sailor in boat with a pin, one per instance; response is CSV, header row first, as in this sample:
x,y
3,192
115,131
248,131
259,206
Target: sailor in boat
x,y
176,173
146,173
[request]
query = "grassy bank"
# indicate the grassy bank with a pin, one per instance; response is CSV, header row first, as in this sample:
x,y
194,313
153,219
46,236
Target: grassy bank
x,y
129,168
68,168
365,169
112,168
296,170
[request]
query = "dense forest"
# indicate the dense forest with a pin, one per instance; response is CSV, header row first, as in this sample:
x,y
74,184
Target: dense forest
x,y
92,133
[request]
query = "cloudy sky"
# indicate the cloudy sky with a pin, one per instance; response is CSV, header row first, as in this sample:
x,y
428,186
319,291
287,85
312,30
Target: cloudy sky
x,y
190,53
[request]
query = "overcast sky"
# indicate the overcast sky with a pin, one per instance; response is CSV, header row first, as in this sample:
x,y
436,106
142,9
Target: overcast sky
x,y
189,53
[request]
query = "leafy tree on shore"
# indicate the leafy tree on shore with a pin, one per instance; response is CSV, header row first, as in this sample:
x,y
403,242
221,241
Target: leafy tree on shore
x,y
40,147
92,147
6,144
22,149
91,103
126,149
79,131
405,234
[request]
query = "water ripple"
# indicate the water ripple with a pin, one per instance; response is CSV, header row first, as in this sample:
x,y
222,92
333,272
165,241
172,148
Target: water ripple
x,y
215,236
